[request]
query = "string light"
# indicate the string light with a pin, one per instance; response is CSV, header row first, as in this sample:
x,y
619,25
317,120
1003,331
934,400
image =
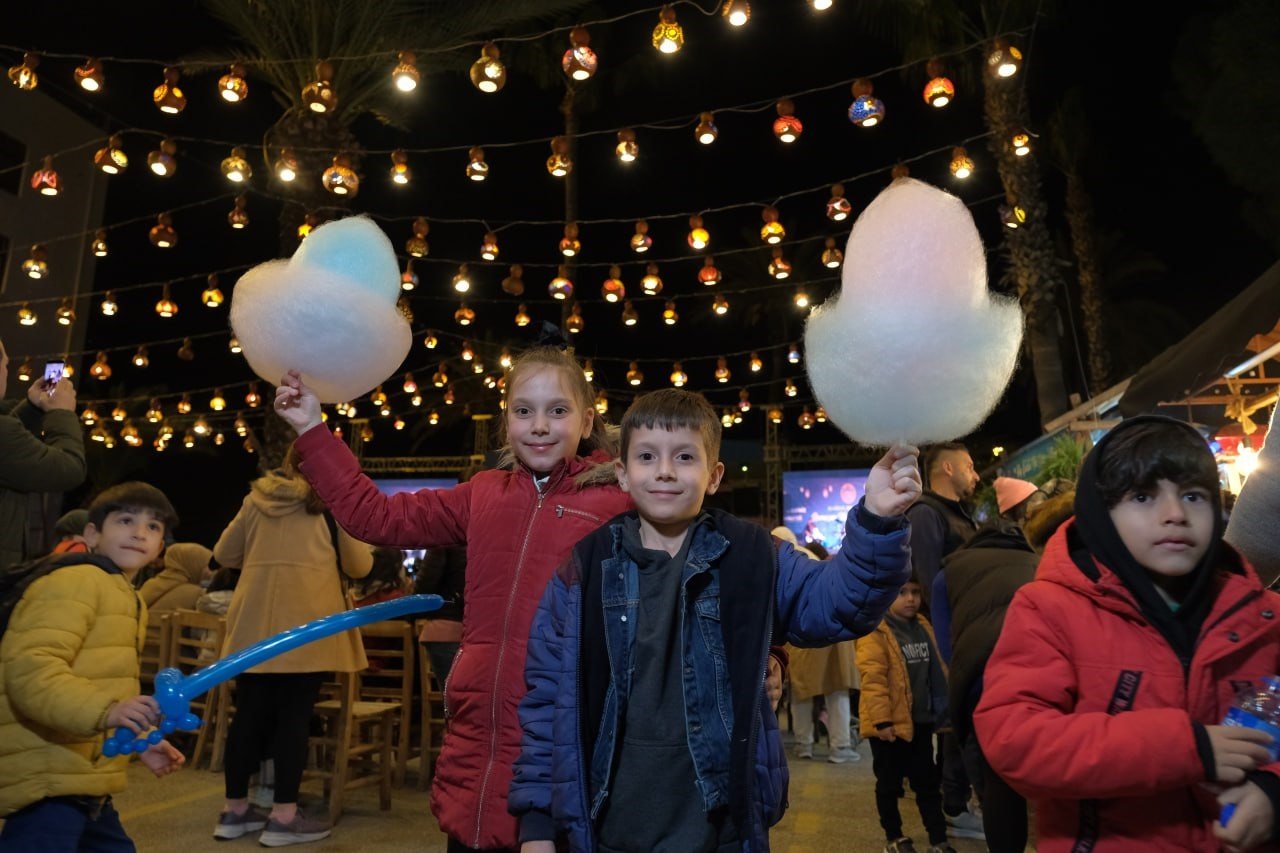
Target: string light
x,y
699,237
45,179
378,397
561,287
569,243
162,161
634,375
1020,142
706,131
200,427
429,340
340,178
89,76
27,317
678,377
184,405
820,415
961,163
111,158
522,316
253,399
238,218
559,164
186,352
448,396
575,322
669,314
488,74
26,370
318,95
709,274
241,426
400,172
108,306
140,358
786,126
726,419
99,247
466,353
489,247
790,389
100,370
779,267
755,363
720,305
405,76
775,415
236,168
627,149
505,360
309,222
162,234
168,96
939,91
408,278
806,419
613,290
417,245
1003,60
722,370
866,110
793,353
462,281
1012,216
832,257
820,5
513,284
464,316
65,314
738,12
668,35
801,299
772,231
629,315
602,403
217,402
37,265
24,74
651,284
441,377
838,207
580,61
234,345
477,168
166,307
641,241
232,86
287,165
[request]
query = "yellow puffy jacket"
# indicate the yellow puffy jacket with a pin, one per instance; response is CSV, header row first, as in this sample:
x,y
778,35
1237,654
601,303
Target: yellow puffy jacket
x,y
70,650
886,687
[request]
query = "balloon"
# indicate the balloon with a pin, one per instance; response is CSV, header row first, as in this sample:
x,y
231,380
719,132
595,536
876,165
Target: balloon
x,y
174,691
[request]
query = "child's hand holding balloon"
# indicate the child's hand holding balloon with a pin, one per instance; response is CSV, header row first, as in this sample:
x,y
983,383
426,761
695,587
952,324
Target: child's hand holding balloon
x,y
296,403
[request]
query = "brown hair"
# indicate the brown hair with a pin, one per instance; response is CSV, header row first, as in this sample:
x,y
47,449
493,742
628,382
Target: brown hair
x,y
134,497
315,506
672,409
536,358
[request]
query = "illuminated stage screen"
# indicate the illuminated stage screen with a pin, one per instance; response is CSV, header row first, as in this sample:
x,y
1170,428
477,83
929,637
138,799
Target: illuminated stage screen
x,y
815,504
396,486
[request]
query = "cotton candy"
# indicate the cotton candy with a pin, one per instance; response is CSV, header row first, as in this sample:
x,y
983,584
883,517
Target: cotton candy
x,y
913,348
328,312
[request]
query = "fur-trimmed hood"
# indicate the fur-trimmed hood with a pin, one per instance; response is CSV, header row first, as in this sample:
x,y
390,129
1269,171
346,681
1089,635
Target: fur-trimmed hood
x,y
277,494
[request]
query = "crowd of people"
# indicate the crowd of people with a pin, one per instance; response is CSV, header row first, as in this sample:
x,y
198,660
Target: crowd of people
x,y
615,674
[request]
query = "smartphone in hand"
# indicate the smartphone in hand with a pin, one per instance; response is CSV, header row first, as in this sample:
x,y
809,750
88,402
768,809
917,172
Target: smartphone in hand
x,y
53,375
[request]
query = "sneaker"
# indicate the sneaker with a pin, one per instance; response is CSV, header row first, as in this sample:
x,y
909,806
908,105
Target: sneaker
x,y
844,755
232,825
902,845
297,831
941,848
965,825
804,750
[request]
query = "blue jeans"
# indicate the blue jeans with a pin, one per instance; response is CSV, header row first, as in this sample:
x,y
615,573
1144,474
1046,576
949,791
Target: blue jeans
x,y
66,825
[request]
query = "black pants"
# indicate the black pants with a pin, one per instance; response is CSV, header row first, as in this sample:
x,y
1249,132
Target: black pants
x,y
894,760
1004,810
955,780
273,720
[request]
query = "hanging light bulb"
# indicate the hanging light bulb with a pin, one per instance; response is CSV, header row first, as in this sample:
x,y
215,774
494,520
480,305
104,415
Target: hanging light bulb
x,y
709,274
489,247
99,246
559,164
939,91
429,340
162,161
790,389
220,439
238,218
786,126
775,414
99,434
212,296
65,314
1020,142
417,245
838,207
448,396
961,163
109,306
755,363
88,417
189,439
629,315
505,360
866,110
398,423
236,168
166,307
641,241
602,403
408,278
186,352
24,74
100,370
1012,216
241,426
1003,60
820,5
699,237
588,371
287,165
820,415
522,316
575,322
706,131
627,149
678,377
651,284
433,418
477,168
441,377
184,405
668,36
806,419
27,317
309,223
801,298
832,257
129,433
162,234
140,358
669,314
400,172
779,267
200,427
89,76
513,284
232,86
634,375
579,61
319,95
405,76
726,419
234,345
378,397
462,281
168,96
252,398
37,265
26,370
410,385
111,158
488,74
464,316
772,231
416,400
467,353
340,178
738,12
569,243
217,402
561,287
720,305
722,370
45,179
793,353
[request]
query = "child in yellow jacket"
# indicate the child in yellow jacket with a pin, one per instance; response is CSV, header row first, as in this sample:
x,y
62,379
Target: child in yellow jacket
x,y
69,675
903,701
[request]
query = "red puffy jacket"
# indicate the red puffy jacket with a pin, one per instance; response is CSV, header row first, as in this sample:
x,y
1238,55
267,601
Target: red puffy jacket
x,y
1086,711
515,538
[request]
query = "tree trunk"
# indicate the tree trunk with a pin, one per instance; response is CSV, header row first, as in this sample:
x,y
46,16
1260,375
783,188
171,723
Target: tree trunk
x,y
1033,262
1080,220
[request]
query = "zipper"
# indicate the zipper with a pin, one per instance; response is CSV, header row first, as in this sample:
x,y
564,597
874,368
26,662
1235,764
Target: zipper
x,y
444,689
561,510
584,780
497,672
754,730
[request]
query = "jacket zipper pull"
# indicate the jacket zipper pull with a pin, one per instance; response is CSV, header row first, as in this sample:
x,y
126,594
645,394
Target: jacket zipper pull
x,y
559,510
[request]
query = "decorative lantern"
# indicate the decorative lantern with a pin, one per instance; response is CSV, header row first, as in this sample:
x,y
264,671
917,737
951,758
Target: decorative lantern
x,y
641,241
340,178
168,96
786,126
755,363
569,244
706,131
400,171
575,322
1004,59
319,95
699,237
489,247
629,315
65,314
24,75
1020,142
405,75
561,287
37,265
464,316
634,375
522,316
709,274
45,179
89,76
627,149
580,61
832,257
141,359
772,231
166,307
109,307
162,234
722,370
27,317
513,284
488,74
99,246
232,86
779,267
939,91
613,289
477,168
162,161
111,158
961,163
651,284
559,164
462,281
238,218
678,377
668,36
866,110
287,165
838,207
669,314
236,168
417,245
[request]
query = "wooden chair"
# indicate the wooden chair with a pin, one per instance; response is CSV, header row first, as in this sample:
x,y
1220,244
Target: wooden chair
x,y
356,745
389,678
195,641
431,715
154,648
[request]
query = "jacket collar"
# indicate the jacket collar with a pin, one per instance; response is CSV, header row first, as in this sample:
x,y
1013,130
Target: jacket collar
x,y
708,544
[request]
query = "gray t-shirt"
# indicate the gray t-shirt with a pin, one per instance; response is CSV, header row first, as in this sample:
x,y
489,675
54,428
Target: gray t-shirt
x,y
917,652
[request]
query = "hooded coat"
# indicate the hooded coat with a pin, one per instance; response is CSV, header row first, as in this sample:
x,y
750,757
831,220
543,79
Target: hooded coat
x,y
289,577
177,587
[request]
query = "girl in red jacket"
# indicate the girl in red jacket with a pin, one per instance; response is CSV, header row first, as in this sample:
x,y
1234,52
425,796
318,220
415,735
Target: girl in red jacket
x,y
1103,698
518,525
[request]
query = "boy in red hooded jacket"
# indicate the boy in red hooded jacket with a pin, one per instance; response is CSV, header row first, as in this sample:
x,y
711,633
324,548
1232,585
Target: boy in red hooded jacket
x,y
1103,698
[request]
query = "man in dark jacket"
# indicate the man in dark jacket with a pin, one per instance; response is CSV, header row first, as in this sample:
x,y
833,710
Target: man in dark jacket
x,y
41,450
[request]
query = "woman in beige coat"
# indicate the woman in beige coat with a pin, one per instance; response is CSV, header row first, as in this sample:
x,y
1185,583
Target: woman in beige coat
x,y
289,576
186,566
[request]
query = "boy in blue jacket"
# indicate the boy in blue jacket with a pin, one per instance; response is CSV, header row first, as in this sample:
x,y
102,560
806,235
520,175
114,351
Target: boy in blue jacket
x,y
646,725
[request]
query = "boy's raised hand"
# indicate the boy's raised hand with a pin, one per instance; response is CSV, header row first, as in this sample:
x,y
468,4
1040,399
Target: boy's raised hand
x,y
894,483
297,403
1251,824
1237,751
137,714
162,758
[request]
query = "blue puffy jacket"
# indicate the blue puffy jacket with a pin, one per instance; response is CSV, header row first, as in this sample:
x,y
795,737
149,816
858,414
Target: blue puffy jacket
x,y
571,713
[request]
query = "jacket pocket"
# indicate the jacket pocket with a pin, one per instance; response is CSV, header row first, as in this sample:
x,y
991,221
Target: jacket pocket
x,y
708,609
444,691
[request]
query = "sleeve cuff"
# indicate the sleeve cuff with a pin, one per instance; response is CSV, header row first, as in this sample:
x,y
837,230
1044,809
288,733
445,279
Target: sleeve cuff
x,y
876,524
1270,785
312,438
1204,748
537,826
882,726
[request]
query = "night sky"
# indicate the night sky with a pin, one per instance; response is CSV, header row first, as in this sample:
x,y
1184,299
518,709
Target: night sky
x,y
1163,207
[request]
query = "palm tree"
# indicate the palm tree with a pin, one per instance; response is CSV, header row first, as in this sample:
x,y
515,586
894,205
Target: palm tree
x,y
926,28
